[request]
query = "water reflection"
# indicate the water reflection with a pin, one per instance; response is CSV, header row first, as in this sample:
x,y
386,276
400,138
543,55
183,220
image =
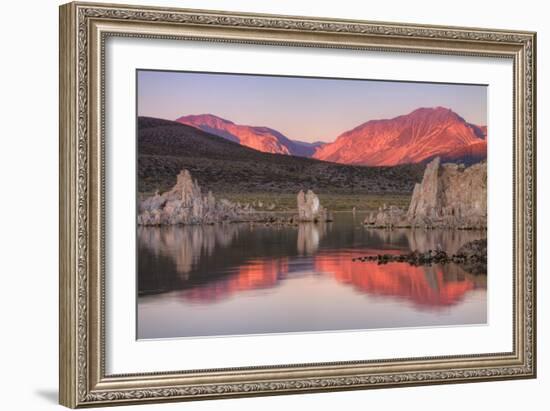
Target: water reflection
x,y
430,286
309,235
309,265
187,244
252,276
422,240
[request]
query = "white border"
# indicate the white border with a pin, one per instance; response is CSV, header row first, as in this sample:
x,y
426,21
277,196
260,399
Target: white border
x,y
126,355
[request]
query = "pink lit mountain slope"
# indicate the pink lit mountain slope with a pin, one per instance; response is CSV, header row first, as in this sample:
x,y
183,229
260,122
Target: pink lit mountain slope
x,y
412,138
263,139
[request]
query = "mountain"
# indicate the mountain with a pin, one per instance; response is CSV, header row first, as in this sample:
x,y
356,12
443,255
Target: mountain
x,y
470,154
160,137
412,138
315,145
263,139
166,147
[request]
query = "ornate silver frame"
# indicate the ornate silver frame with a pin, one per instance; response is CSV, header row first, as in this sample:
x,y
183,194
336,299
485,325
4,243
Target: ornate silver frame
x,y
83,30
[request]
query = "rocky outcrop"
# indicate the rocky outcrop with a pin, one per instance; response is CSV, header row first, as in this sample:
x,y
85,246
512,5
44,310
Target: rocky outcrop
x,y
449,196
472,257
185,204
425,194
386,217
310,209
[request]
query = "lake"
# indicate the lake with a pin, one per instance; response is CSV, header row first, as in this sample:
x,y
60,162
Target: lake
x,y
235,279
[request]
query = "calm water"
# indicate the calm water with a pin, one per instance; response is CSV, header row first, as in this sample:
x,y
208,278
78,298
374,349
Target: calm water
x,y
242,279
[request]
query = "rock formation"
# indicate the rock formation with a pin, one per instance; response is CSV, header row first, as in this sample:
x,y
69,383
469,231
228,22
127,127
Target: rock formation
x,y
310,209
389,217
472,257
449,196
471,252
185,204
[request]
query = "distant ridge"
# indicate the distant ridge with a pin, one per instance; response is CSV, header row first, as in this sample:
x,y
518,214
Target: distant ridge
x,y
416,137
412,138
166,147
263,139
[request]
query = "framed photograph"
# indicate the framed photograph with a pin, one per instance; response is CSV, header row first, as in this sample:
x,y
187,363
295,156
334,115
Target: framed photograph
x,y
258,204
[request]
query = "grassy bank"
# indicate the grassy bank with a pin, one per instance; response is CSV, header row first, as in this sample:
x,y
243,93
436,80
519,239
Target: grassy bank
x,y
334,202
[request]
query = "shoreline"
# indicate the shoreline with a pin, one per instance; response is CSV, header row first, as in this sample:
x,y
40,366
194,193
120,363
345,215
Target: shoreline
x,y
286,202
263,219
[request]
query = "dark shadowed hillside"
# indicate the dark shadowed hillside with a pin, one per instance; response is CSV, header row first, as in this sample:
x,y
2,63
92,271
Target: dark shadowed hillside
x,y
166,147
472,154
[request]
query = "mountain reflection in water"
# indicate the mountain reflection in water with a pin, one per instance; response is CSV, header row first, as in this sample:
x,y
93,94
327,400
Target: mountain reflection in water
x,y
287,279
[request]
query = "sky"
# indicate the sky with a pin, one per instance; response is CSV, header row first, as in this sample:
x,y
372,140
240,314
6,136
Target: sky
x,y
302,108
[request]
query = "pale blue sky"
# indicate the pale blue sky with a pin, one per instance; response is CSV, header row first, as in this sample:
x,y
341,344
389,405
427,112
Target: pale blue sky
x,y
307,109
